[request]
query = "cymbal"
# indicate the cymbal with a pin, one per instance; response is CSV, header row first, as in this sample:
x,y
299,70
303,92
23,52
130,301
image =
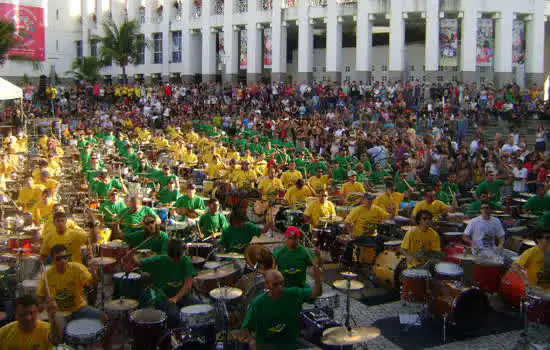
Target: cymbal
x,y
104,261
343,284
408,228
221,272
464,257
348,274
230,256
121,304
226,293
341,336
211,265
329,219
255,253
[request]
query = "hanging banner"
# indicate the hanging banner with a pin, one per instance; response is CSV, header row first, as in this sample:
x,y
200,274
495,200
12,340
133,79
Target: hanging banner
x,y
485,42
448,42
268,50
30,32
220,51
243,58
518,43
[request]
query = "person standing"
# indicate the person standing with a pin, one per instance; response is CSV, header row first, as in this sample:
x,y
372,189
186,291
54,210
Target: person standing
x,y
293,259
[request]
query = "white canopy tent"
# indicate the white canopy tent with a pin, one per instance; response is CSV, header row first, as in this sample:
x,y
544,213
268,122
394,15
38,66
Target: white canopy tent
x,y
9,91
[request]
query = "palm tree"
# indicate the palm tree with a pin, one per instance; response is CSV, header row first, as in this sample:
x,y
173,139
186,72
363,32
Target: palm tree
x,y
7,38
86,68
121,44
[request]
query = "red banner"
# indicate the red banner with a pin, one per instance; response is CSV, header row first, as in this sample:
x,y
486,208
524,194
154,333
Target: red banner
x,y
30,30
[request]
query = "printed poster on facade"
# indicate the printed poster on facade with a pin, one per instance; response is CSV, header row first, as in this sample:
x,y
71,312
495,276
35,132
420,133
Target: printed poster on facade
x,y
220,51
268,50
448,42
518,43
30,30
243,58
485,42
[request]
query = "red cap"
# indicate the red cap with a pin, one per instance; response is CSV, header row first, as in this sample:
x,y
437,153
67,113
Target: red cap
x,y
292,231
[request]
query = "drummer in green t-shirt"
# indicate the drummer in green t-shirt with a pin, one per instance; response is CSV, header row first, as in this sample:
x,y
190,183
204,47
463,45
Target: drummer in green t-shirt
x,y
190,205
169,194
132,217
213,222
149,237
239,234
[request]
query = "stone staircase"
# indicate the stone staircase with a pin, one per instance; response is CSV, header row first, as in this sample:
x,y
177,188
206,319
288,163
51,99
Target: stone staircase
x,y
527,128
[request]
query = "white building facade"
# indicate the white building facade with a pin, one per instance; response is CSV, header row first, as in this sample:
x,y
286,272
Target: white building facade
x,y
205,39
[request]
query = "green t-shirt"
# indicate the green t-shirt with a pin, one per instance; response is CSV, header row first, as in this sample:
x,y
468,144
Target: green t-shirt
x,y
163,179
167,276
159,244
443,197
448,188
277,322
212,223
475,207
103,189
536,204
293,264
132,222
237,239
377,177
493,188
166,196
312,167
545,220
107,208
190,203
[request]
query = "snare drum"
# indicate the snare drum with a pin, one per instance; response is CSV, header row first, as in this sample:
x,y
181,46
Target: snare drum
x,y
127,285
512,288
487,273
448,271
393,245
30,287
414,285
538,305
198,315
148,325
204,250
114,249
84,332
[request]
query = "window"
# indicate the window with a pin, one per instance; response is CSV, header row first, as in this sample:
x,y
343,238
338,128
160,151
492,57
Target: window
x,y
57,46
454,78
373,68
157,48
324,69
455,69
176,47
481,79
93,49
57,14
141,50
348,69
423,67
314,69
79,52
385,69
440,78
384,78
324,78
411,68
348,78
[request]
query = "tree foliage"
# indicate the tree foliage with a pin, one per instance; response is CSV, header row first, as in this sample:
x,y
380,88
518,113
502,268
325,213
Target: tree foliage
x,y
7,38
86,68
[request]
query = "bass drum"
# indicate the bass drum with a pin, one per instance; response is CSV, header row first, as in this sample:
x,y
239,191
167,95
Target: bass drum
x,y
281,217
388,267
512,288
466,308
221,191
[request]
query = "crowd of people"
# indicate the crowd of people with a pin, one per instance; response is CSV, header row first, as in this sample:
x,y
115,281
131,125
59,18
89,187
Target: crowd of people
x,y
384,151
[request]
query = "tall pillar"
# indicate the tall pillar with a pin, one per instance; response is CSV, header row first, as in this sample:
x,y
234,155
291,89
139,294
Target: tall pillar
x,y
189,52
468,48
334,43
208,43
85,27
305,44
397,41
278,42
363,51
534,46
230,44
254,45
503,47
431,53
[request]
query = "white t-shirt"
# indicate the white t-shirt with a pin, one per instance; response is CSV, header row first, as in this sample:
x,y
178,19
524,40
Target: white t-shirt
x,y
509,149
484,233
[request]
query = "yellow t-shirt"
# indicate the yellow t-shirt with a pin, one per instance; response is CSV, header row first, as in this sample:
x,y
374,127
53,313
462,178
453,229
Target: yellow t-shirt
x,y
242,178
270,187
29,196
66,288
42,212
533,261
359,217
13,338
214,170
290,177
437,208
48,228
355,187
233,155
385,201
417,239
316,210
294,194
318,183
72,239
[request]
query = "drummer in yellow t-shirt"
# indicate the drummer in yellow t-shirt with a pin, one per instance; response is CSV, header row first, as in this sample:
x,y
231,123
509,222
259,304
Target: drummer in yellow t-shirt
x,y
319,181
531,265
352,186
319,208
421,239
434,206
364,219
390,199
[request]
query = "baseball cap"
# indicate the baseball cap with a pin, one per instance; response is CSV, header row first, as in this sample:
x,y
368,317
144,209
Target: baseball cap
x,y
369,196
351,173
292,231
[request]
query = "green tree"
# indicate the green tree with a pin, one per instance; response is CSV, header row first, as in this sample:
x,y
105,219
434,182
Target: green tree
x,y
121,43
86,68
7,38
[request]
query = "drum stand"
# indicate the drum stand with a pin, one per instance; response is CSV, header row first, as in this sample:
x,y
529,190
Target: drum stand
x,y
348,316
225,318
523,342
101,281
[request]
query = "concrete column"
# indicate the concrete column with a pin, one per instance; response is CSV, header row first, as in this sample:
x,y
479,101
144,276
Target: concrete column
x,y
230,44
363,61
468,48
397,41
534,46
254,42
85,28
208,43
431,55
278,42
188,53
334,43
503,47
305,44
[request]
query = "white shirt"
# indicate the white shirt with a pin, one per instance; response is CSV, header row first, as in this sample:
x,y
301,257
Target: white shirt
x,y
484,233
509,149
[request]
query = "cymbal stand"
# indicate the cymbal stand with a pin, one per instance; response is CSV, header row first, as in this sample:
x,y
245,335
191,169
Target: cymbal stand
x,y
348,316
101,280
225,318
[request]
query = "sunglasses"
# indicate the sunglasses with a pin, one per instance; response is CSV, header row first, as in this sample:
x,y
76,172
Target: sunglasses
x,y
484,207
63,257
149,222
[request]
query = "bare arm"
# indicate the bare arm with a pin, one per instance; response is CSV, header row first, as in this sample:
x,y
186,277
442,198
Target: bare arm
x,y
521,273
187,285
317,287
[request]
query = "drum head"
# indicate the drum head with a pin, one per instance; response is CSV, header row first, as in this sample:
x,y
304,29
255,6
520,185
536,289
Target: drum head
x,y
197,309
129,276
84,327
416,273
448,269
148,316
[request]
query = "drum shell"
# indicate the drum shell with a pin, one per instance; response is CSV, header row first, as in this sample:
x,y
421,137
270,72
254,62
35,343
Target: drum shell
x,y
24,242
95,336
388,267
447,271
30,287
538,307
115,250
367,254
198,315
30,267
487,276
512,288
466,308
127,285
414,289
454,249
148,325
203,250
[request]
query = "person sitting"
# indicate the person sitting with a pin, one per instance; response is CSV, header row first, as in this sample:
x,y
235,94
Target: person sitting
x,y
29,195
352,186
491,185
298,193
172,276
365,218
43,210
539,203
289,177
434,206
378,174
239,234
212,222
245,177
169,194
164,176
390,199
111,210
532,266
485,231
272,318
190,205
148,237
319,181
293,259
104,184
131,218
420,240
475,207
270,187
27,332
319,208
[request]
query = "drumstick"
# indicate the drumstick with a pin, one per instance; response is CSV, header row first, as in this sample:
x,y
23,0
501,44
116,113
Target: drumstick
x,y
142,243
46,287
91,248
